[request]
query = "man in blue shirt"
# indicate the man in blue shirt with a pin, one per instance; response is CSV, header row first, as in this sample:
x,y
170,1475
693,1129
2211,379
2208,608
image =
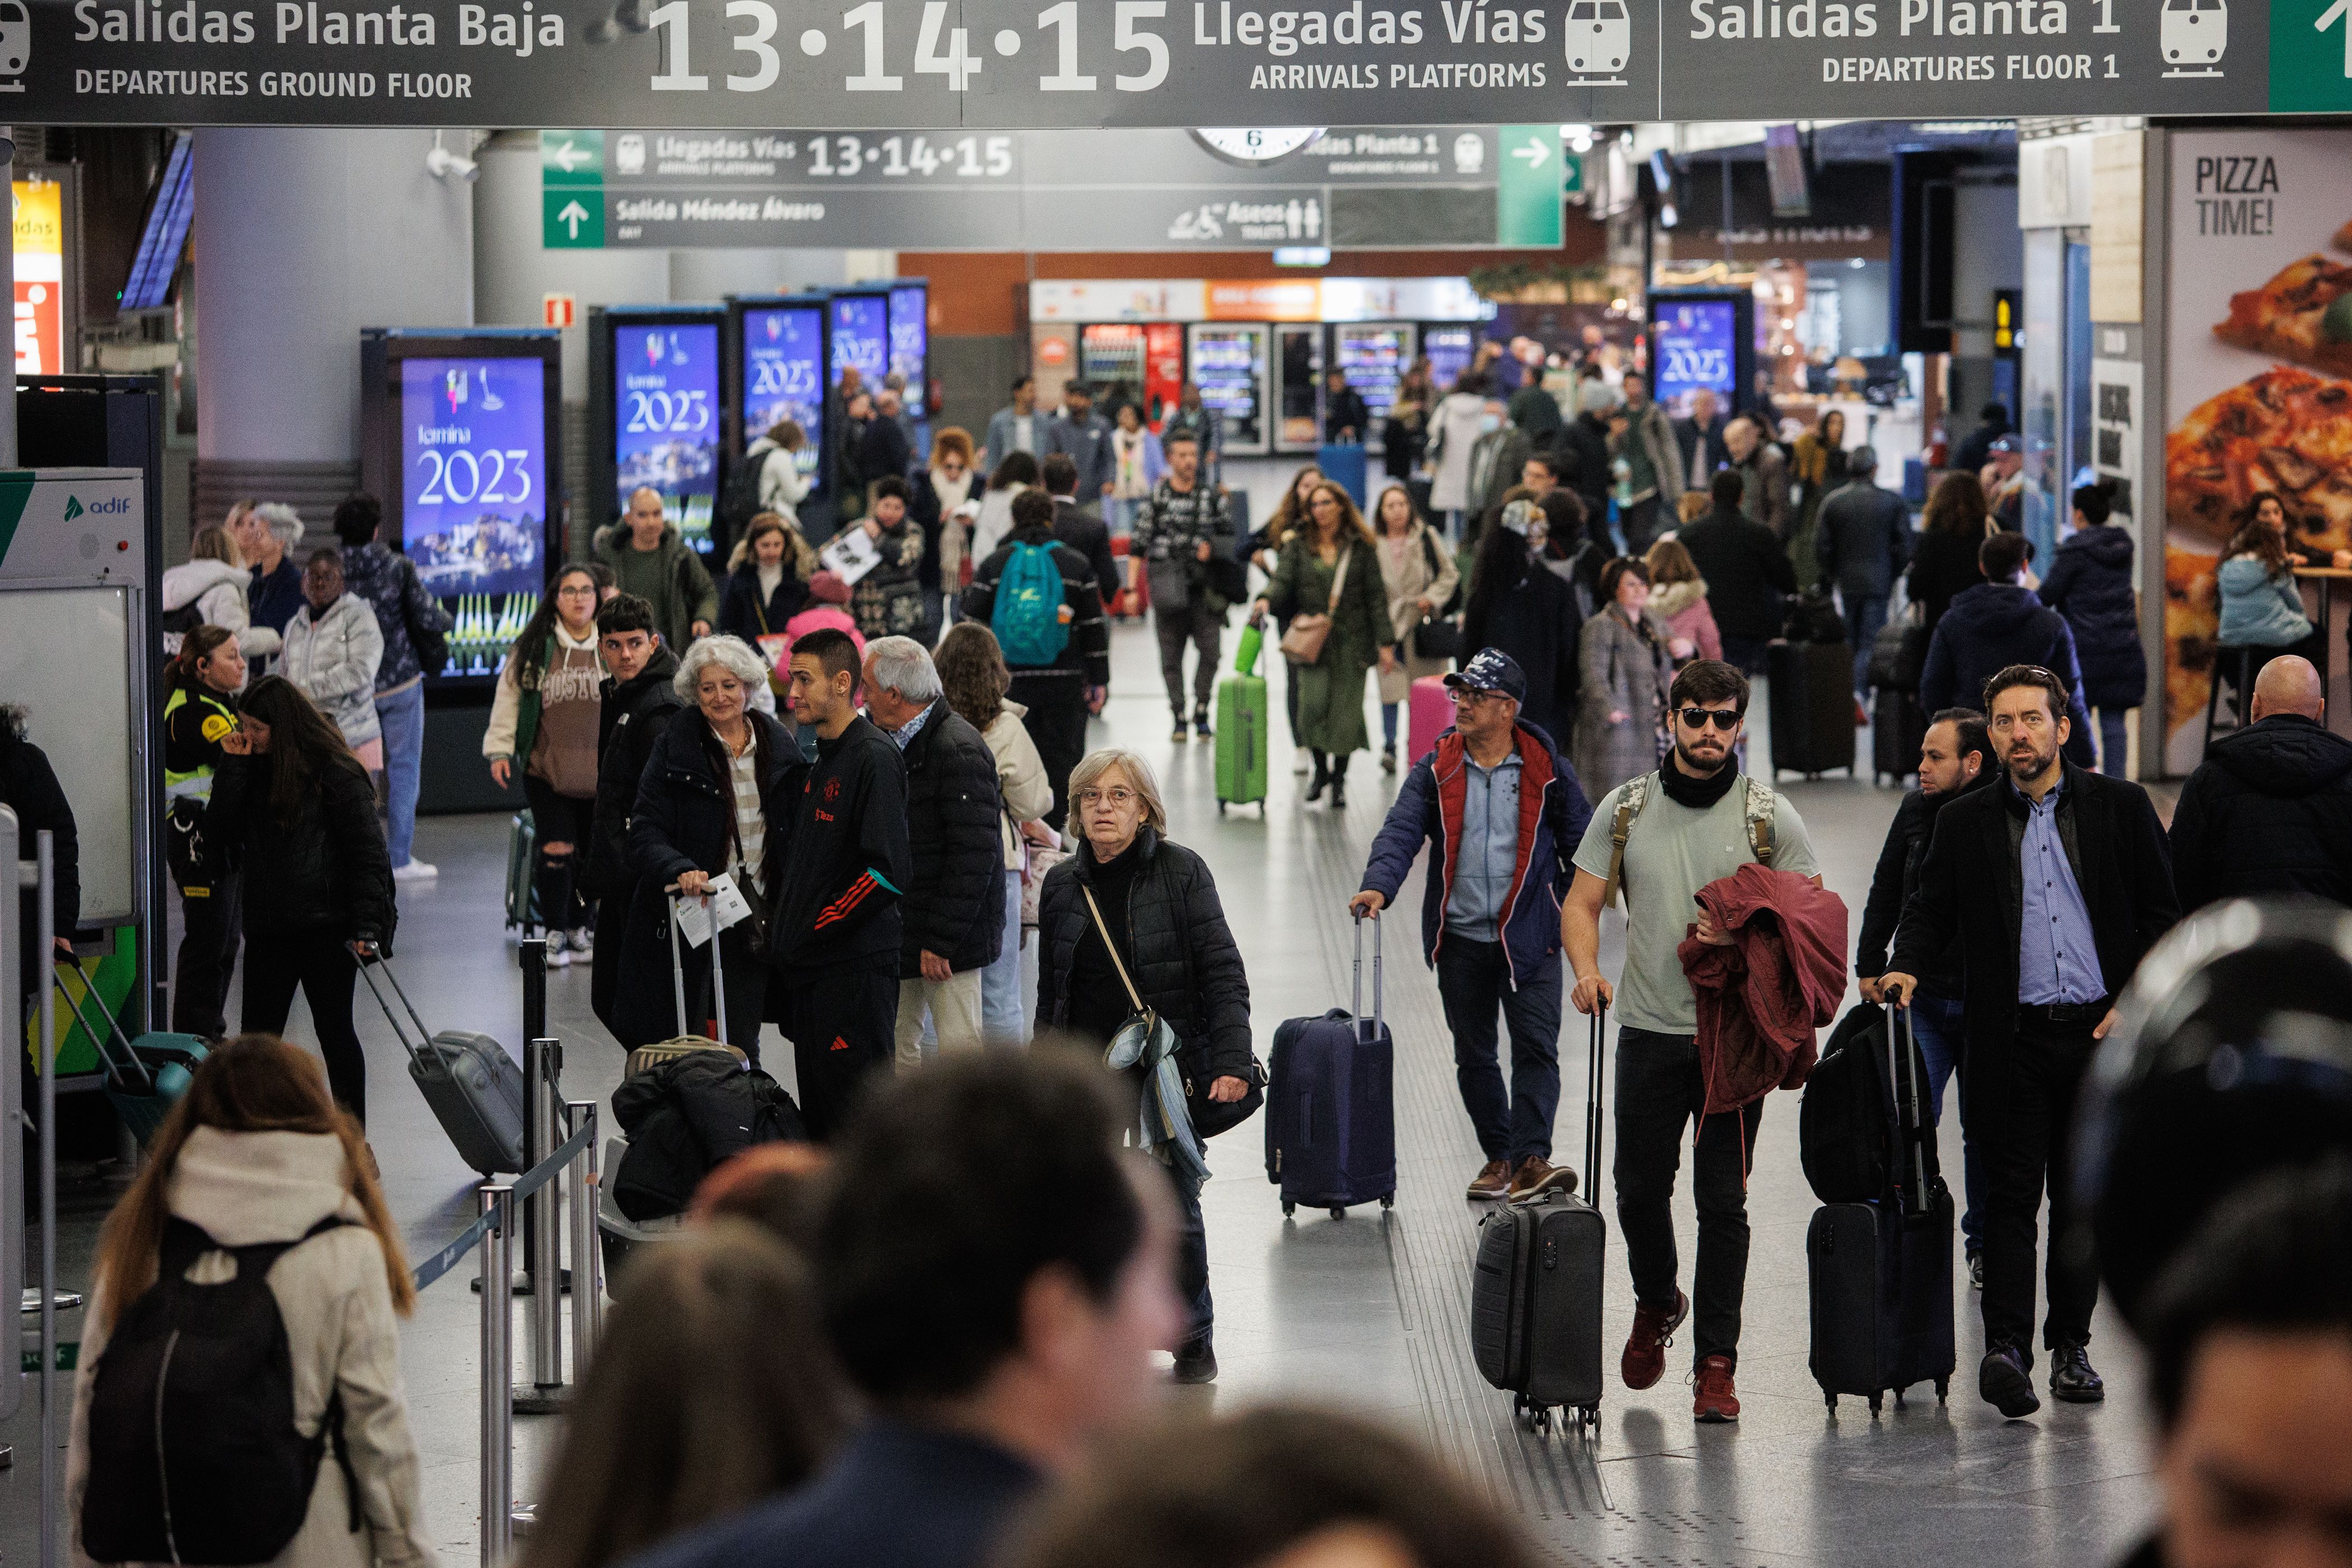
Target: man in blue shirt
x,y
2057,881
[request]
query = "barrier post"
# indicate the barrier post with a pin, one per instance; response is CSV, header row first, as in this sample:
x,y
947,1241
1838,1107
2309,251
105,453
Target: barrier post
x,y
531,956
497,1373
543,1230
44,883
587,1255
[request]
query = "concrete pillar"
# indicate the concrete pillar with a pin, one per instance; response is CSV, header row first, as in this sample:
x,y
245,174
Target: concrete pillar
x,y
302,237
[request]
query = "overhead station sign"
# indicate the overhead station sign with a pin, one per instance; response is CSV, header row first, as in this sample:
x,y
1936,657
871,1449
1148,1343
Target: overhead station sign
x,y
762,66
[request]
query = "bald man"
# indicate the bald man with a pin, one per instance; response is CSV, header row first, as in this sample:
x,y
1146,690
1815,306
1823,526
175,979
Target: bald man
x,y
2270,808
648,559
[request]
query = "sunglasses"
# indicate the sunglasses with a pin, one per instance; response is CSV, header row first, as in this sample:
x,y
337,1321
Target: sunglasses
x,y
1724,719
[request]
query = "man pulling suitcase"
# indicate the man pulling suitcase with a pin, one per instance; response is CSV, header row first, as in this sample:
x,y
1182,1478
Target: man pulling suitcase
x,y
1490,920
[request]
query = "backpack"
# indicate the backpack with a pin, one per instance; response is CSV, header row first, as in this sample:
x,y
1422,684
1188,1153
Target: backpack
x,y
194,1454
738,497
1028,619
429,637
1761,804
177,624
1847,1123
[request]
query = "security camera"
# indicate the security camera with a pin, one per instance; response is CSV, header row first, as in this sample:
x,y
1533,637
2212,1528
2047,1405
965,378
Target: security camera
x,y
443,164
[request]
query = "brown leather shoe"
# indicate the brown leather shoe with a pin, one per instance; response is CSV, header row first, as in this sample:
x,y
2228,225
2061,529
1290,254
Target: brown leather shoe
x,y
1492,1181
1645,1361
1538,1174
1718,1401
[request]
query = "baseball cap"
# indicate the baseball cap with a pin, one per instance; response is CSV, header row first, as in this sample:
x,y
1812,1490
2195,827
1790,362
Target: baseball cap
x,y
1491,670
830,587
2007,444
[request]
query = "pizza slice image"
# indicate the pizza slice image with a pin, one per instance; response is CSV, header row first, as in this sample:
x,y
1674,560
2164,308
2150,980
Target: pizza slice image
x,y
2285,430
2304,314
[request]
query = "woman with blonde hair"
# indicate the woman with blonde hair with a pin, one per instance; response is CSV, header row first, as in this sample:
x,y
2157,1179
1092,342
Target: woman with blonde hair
x,y
975,678
939,500
1329,572
767,579
208,589
1678,595
257,1175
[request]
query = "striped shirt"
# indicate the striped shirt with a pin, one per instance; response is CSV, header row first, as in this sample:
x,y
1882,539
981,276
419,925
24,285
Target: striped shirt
x,y
750,826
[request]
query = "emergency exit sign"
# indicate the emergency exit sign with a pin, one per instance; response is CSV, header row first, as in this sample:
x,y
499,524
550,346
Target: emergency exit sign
x,y
557,309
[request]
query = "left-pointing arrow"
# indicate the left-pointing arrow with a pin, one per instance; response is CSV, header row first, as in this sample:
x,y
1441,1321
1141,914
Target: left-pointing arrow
x,y
567,156
573,215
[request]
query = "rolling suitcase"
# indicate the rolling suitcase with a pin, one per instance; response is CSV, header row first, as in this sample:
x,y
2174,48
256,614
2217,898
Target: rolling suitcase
x,y
1880,1273
1343,465
1898,726
1331,1117
1242,728
522,889
470,1081
1535,1289
1430,714
686,1042
154,1070
1811,706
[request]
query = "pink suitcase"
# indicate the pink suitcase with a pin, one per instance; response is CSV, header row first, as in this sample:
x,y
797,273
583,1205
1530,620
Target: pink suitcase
x,y
1433,715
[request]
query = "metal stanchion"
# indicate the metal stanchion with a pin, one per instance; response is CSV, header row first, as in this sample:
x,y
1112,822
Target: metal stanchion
x,y
497,1373
531,955
44,858
587,1255
543,1231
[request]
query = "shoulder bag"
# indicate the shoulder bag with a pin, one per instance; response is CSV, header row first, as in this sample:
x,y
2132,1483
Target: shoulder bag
x,y
1208,1117
1303,642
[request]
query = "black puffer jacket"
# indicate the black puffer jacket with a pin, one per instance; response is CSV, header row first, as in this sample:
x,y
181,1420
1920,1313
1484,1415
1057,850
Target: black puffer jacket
x,y
327,867
2090,583
2268,811
686,1116
1187,966
629,720
955,906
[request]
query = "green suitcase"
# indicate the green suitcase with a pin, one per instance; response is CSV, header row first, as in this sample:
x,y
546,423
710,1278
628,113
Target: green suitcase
x,y
1241,730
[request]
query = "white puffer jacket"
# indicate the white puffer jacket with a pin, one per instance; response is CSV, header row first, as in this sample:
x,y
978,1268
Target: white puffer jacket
x,y
245,1188
333,659
218,590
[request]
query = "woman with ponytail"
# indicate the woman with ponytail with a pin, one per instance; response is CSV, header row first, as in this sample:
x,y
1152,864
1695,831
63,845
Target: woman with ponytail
x,y
200,687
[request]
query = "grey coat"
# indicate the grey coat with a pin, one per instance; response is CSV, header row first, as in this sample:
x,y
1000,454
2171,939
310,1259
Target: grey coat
x,y
1624,672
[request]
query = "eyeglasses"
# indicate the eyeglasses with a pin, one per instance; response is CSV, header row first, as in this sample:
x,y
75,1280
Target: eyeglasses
x,y
1470,697
1119,798
1724,719
576,591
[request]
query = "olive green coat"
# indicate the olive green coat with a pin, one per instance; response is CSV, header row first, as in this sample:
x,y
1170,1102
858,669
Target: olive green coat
x,y
1332,690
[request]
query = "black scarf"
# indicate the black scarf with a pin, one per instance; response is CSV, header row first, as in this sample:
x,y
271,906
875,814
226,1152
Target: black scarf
x,y
1697,793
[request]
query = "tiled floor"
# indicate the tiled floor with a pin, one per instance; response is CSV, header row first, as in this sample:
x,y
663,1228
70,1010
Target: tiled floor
x,y
1368,1311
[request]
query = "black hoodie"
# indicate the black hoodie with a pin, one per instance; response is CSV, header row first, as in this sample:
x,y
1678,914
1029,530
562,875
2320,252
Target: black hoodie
x,y
631,718
851,859
2268,811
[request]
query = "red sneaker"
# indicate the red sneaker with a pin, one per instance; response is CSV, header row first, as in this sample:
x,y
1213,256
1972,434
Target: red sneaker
x,y
1645,1361
1717,1400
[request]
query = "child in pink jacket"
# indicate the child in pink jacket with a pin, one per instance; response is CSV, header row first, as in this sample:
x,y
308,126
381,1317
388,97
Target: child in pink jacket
x,y
827,595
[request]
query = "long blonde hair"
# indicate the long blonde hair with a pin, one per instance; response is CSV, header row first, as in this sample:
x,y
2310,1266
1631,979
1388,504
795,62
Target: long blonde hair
x,y
255,1083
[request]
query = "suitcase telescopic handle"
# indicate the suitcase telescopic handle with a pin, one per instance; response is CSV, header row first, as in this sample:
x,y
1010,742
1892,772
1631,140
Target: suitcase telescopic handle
x,y
130,1050
1903,1094
1592,1105
677,972
1356,1004
424,1036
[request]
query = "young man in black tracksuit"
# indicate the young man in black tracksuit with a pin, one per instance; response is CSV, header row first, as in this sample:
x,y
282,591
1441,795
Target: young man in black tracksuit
x,y
637,699
1058,695
836,930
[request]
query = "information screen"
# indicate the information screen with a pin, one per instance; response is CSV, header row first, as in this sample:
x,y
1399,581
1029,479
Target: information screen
x,y
861,336
474,487
1694,346
783,375
1448,351
666,420
1373,360
910,333
1229,365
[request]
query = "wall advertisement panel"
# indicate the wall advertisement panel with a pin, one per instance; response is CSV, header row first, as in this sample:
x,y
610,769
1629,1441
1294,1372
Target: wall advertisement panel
x,y
2257,373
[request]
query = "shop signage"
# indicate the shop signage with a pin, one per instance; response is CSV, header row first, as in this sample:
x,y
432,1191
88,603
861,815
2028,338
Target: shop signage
x,y
38,232
980,64
1259,299
1453,187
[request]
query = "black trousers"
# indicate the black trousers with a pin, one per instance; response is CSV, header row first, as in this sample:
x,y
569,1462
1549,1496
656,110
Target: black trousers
x,y
604,967
1659,1092
213,927
844,1026
562,819
1194,624
316,959
1056,722
2032,1147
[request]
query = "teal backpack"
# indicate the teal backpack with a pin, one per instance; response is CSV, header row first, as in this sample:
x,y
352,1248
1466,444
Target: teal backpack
x,y
1028,619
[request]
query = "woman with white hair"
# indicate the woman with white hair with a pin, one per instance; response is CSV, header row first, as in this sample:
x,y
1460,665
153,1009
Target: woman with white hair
x,y
266,536
714,802
1132,922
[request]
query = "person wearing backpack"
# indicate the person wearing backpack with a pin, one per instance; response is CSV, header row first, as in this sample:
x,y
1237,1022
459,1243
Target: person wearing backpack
x,y
1040,597
278,1433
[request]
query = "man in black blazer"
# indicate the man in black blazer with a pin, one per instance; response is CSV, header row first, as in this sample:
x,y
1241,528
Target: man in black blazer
x,y
2057,881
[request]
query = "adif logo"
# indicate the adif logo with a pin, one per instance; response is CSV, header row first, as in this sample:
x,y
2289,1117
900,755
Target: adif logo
x,y
111,506
73,508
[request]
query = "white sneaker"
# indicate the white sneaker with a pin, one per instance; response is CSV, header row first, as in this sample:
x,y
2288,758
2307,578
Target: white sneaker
x,y
1298,763
581,943
558,955
415,871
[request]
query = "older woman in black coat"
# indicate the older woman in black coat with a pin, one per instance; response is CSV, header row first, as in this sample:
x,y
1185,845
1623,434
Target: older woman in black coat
x,y
691,824
1167,930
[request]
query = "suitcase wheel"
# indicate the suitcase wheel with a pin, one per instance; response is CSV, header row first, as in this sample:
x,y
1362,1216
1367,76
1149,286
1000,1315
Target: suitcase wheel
x,y
1943,1389
1533,1417
1338,1211
1289,1208
1876,1401
1830,1400
1588,1418
1221,808
1388,1201
1898,1399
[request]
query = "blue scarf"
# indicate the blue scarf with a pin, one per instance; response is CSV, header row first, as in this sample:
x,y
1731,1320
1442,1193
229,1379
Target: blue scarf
x,y
1146,1045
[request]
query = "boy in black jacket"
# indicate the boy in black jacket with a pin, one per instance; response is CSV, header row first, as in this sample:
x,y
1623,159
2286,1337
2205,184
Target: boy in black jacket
x,y
836,929
637,700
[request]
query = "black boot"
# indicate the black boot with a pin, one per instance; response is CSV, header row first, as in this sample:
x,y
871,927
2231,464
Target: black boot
x,y
1322,777
1339,781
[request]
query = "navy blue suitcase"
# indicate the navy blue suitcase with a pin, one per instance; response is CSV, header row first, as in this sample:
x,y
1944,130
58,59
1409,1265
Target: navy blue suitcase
x,y
1330,1114
1343,464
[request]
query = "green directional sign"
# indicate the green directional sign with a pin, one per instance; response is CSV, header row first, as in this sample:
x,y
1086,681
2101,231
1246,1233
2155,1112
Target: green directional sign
x,y
2311,56
572,157
572,190
1528,186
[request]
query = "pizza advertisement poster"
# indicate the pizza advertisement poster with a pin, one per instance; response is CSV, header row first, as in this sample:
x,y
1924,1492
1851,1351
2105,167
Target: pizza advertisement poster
x,y
2258,374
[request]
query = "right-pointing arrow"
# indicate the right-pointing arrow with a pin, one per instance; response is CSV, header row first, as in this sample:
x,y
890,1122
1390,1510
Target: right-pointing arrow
x,y
573,215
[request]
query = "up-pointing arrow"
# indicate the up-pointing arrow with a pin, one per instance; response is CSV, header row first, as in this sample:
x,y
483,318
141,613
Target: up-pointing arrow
x,y
573,215
567,156
1534,152
2339,12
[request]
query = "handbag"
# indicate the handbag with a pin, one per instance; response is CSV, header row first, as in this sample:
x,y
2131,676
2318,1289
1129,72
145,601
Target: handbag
x,y
428,637
1210,1117
1303,642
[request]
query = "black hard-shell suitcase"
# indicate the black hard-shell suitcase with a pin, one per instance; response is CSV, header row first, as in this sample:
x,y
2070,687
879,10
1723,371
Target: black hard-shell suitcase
x,y
1880,1273
1897,725
470,1081
1535,1291
522,865
1330,1123
1811,706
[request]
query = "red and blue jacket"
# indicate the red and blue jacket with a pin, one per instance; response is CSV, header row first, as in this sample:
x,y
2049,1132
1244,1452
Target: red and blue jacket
x,y
1552,816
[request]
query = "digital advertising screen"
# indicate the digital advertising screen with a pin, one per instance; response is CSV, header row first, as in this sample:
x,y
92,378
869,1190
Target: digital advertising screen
x,y
474,491
1373,359
1449,351
910,335
1229,365
1694,343
861,336
783,375
666,428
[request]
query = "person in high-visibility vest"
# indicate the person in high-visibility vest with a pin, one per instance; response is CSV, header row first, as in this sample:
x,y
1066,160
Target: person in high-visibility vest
x,y
202,680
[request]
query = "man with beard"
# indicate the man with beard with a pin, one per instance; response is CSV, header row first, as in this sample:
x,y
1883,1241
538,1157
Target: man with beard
x,y
2074,864
1661,837
1954,757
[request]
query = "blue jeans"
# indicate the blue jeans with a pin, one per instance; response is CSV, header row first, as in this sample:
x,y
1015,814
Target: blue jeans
x,y
1000,983
1192,1262
2114,745
402,713
1943,1042
1864,616
1473,983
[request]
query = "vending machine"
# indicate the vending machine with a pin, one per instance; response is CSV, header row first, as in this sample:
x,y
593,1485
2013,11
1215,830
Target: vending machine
x,y
1373,356
1299,386
1449,346
658,409
1229,363
1110,353
776,362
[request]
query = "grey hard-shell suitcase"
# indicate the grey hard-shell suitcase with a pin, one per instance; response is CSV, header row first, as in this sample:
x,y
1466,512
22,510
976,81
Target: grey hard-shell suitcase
x,y
1535,1291
470,1081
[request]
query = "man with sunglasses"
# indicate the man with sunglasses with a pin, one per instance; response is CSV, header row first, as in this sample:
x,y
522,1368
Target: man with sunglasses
x,y
1488,908
1661,837
2055,884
